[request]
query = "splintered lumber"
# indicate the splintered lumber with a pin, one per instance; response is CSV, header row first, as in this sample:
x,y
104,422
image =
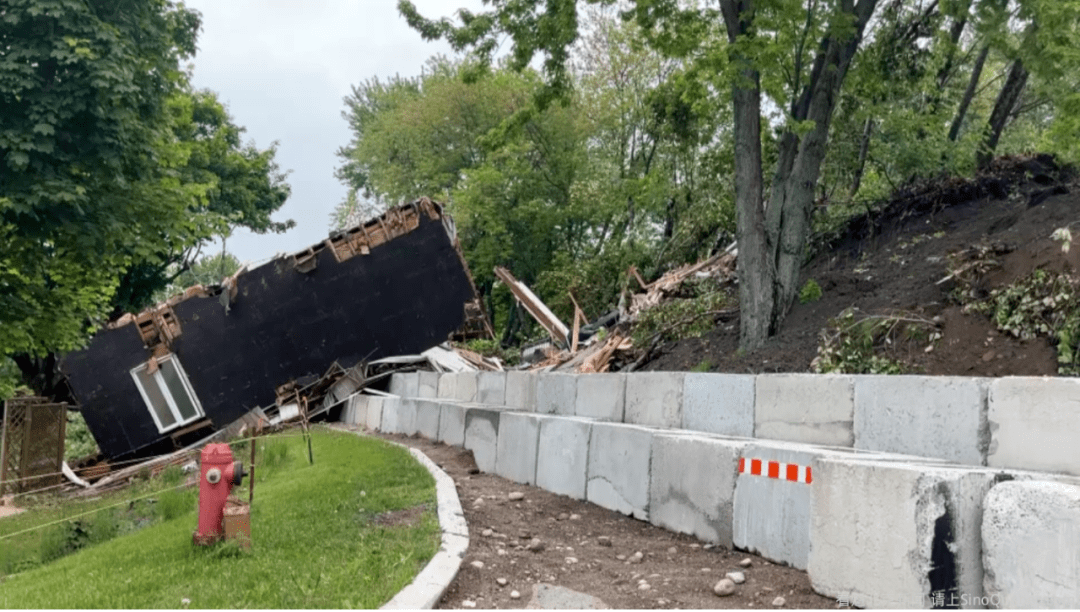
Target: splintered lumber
x,y
721,265
560,333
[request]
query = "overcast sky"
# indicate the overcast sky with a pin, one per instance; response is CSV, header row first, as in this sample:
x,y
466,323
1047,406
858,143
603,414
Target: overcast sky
x,y
282,67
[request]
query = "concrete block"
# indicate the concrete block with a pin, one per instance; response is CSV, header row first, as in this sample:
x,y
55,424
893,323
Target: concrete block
x,y
692,485
897,535
452,424
562,455
556,393
719,403
521,391
654,399
807,408
1029,532
601,396
482,435
391,415
516,447
929,416
374,413
427,418
458,386
491,388
427,384
404,384
1033,424
355,412
771,508
618,476
406,417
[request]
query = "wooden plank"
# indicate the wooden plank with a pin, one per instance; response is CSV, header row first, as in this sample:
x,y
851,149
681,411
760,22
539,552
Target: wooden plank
x,y
557,329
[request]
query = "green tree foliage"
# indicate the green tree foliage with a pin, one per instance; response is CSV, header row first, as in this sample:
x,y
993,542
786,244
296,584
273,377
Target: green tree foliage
x,y
239,185
922,87
110,166
83,88
566,196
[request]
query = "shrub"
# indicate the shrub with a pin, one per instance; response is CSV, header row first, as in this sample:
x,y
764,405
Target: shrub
x,y
704,366
810,292
78,441
677,318
856,344
1043,304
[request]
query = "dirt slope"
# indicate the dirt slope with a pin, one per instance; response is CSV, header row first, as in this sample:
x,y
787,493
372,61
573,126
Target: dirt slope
x,y
893,264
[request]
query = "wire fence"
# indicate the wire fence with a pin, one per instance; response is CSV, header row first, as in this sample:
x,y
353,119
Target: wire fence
x,y
192,451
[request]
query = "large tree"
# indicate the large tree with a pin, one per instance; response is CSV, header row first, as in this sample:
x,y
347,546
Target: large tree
x,y
796,53
96,177
83,87
234,184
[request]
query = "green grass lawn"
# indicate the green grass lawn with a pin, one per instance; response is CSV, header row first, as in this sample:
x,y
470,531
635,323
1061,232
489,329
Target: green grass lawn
x,y
317,540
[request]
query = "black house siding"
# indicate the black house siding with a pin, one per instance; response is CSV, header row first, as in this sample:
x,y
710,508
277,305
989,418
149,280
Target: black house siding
x,y
405,296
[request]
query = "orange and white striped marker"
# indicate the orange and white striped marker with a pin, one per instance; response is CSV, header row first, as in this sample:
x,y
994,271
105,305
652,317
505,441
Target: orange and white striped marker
x,y
776,469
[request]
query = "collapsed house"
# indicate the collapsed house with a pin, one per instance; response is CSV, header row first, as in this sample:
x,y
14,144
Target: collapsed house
x,y
181,370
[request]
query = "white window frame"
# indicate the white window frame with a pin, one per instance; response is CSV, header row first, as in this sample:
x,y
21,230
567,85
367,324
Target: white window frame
x,y
164,389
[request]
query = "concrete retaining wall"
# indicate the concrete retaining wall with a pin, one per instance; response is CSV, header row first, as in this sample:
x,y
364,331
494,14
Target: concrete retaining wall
x,y
618,476
521,391
719,403
427,384
405,384
808,408
1030,532
458,386
772,500
562,463
601,396
895,535
427,418
556,394
481,436
1034,424
692,483
373,418
355,412
452,424
516,448
885,523
929,416
398,416
654,399
491,388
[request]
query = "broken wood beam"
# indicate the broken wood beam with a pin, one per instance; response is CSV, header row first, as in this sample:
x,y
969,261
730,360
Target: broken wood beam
x,y
557,329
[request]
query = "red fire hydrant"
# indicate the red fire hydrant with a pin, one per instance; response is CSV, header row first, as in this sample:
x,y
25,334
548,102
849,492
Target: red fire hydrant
x,y
217,476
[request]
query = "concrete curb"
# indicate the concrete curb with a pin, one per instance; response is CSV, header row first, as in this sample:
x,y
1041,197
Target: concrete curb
x,y
432,581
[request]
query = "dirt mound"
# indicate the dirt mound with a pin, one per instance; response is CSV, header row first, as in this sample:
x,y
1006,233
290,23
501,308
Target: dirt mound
x,y
896,262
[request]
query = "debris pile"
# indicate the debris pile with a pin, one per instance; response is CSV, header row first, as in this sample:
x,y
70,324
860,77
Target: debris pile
x,y
587,349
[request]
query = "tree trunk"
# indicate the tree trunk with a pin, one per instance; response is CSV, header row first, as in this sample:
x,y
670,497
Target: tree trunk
x,y
957,29
793,204
864,151
1006,101
969,93
752,265
42,374
669,219
772,241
